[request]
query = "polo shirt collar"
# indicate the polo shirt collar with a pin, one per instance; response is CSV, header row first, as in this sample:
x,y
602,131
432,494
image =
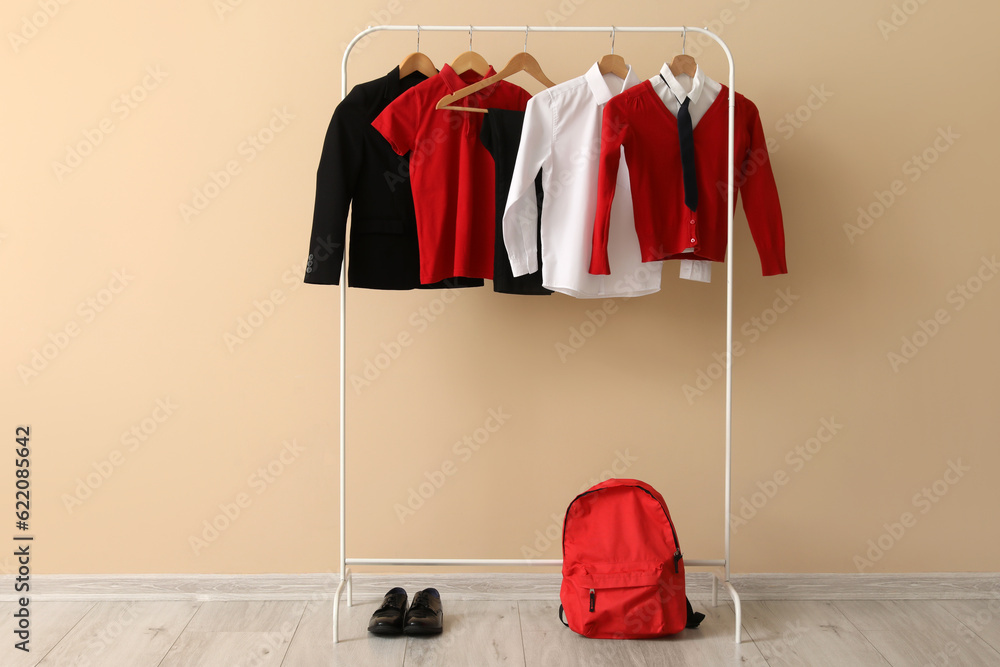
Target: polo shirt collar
x,y
599,86
675,87
392,89
456,83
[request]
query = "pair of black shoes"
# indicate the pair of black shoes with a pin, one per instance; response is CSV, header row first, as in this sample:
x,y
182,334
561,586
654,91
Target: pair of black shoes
x,y
424,616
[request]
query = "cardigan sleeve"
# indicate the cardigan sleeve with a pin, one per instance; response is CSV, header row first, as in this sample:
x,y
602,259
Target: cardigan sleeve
x,y
760,198
614,126
520,217
336,182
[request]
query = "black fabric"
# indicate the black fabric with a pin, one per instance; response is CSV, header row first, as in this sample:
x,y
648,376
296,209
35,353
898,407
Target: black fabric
x,y
686,136
359,170
501,135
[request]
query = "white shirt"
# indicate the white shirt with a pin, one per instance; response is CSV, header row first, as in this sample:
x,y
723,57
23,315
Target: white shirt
x,y
562,137
702,91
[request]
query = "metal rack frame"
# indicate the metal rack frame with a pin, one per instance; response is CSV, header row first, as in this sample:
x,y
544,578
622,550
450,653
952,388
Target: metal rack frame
x,y
345,572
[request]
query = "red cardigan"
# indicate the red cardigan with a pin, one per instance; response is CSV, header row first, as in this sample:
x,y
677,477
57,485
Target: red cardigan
x,y
638,120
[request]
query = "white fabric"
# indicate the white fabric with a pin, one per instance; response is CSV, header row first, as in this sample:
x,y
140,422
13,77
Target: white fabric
x,y
562,137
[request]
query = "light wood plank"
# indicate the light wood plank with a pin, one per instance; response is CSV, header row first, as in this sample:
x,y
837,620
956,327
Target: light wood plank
x,y
975,617
549,643
801,632
915,632
237,632
711,643
313,640
49,623
122,633
481,633
854,586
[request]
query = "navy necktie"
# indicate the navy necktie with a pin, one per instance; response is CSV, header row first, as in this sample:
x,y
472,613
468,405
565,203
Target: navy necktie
x,y
685,134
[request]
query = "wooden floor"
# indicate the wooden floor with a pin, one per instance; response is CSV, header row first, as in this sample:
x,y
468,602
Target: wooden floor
x,y
297,633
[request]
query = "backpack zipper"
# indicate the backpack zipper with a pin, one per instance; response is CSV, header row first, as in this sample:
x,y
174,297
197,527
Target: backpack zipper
x,y
593,599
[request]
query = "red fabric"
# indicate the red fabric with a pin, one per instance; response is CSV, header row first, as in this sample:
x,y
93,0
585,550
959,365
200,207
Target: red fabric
x,y
450,170
638,120
619,552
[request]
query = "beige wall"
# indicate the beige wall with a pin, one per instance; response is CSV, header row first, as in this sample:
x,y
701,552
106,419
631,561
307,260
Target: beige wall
x,y
124,307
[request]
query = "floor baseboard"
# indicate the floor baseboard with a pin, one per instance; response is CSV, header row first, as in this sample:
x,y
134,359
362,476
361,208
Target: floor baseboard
x,y
492,586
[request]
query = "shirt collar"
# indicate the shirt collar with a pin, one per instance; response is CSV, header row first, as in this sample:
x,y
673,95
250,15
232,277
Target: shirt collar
x,y
675,87
599,85
456,83
392,85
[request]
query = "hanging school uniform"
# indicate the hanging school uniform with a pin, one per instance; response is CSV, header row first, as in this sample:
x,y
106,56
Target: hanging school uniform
x,y
673,220
562,137
501,135
358,168
451,171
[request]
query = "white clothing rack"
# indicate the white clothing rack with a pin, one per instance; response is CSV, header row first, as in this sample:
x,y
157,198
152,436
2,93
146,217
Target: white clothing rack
x,y
345,572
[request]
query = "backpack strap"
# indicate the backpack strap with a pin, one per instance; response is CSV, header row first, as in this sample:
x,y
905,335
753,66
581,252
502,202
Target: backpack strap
x,y
561,616
694,617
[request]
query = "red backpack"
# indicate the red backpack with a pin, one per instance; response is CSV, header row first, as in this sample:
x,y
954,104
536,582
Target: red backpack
x,y
623,571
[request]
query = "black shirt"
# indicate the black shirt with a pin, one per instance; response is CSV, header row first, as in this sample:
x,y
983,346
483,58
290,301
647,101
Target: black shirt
x,y
501,135
359,165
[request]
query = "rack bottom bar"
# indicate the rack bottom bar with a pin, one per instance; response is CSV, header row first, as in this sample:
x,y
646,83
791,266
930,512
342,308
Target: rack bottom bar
x,y
503,562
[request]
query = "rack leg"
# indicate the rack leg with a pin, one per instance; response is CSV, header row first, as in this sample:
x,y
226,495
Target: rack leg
x,y
739,611
715,590
346,581
350,588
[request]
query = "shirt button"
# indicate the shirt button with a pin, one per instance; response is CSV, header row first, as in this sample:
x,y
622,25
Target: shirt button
x,y
693,241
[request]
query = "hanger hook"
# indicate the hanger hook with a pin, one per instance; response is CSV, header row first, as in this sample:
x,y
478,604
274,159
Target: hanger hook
x,y
418,38
525,39
684,41
612,40
470,37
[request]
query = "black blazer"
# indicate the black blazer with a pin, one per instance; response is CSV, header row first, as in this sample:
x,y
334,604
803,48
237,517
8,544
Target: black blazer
x,y
358,165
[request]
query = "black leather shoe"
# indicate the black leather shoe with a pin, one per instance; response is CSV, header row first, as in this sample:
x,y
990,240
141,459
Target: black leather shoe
x,y
388,618
424,617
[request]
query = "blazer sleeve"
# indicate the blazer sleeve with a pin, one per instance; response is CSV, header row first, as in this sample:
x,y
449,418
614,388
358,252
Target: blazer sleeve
x,y
520,217
760,198
613,129
336,182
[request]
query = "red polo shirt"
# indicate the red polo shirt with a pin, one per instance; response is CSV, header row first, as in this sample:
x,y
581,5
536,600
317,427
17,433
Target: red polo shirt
x,y
638,120
450,170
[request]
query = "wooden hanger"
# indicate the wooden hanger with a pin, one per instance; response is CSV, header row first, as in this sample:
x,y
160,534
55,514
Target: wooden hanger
x,y
612,63
470,60
683,63
417,62
522,62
